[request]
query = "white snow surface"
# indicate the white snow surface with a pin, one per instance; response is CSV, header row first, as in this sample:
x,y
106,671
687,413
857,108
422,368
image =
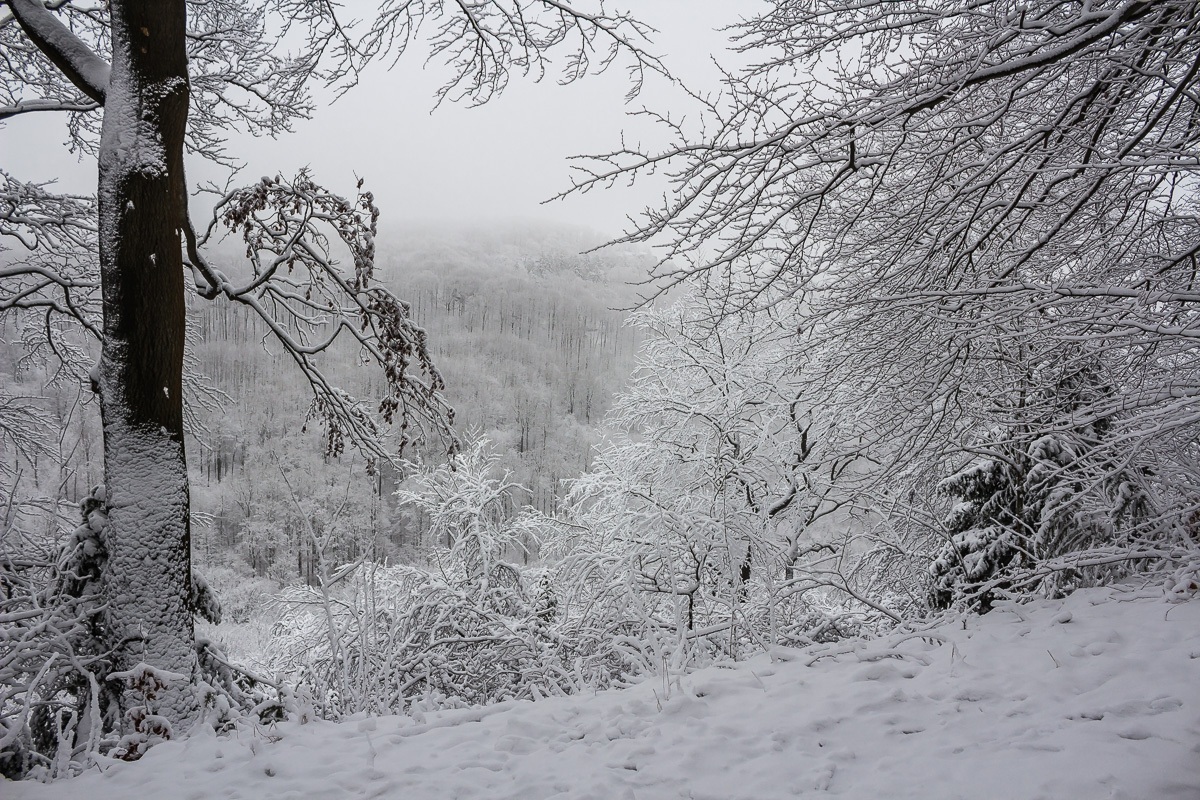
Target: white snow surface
x,y
1094,696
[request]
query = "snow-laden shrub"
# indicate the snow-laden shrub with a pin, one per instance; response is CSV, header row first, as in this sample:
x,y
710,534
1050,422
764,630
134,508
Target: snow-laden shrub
x,y
52,665
400,638
147,727
633,602
470,629
1183,581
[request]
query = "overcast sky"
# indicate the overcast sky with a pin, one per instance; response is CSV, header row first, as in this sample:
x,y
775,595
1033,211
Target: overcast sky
x,y
475,165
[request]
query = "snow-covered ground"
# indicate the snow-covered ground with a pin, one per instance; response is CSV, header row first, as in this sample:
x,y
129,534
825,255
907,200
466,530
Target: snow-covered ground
x,y
1095,696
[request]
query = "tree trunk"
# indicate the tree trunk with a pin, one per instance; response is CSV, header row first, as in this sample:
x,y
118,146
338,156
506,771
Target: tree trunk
x,y
147,578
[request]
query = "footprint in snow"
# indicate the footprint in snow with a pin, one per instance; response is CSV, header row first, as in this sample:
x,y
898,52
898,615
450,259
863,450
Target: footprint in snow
x,y
1132,708
515,744
885,671
1135,733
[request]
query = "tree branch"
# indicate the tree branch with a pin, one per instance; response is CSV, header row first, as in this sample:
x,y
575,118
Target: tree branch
x,y
40,104
88,71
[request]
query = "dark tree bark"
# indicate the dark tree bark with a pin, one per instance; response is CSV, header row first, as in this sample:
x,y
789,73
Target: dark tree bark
x,y
141,208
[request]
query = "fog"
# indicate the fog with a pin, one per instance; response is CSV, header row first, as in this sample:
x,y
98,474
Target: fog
x,y
453,164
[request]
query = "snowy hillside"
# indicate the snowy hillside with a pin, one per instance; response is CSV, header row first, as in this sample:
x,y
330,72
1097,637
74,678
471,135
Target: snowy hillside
x,y
1095,696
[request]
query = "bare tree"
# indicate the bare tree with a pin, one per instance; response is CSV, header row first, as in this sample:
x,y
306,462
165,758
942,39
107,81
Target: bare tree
x,y
137,67
960,196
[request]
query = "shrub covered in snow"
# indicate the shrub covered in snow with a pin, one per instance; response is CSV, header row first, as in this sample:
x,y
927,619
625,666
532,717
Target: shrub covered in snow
x,y
400,638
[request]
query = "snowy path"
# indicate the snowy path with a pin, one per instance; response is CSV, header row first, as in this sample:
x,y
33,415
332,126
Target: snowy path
x,y
1097,696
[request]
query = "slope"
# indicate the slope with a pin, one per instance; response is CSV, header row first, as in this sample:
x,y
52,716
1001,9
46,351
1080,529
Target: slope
x,y
1094,696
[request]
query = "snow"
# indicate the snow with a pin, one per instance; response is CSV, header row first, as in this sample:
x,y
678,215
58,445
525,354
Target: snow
x,y
77,58
144,674
1095,696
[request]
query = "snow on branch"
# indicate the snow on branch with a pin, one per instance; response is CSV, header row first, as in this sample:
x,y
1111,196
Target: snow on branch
x,y
45,104
52,274
88,71
969,133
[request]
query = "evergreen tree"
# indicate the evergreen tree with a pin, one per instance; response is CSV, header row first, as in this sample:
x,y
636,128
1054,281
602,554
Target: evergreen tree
x,y
1047,489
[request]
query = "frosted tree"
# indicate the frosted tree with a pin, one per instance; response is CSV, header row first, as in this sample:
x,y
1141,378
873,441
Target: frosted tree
x,y
471,507
127,74
698,516
963,193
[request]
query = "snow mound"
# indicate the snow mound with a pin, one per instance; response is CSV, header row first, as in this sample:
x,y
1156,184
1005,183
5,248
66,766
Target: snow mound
x,y
1094,696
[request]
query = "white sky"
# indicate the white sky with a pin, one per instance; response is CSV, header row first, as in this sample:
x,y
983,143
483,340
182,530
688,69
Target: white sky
x,y
475,165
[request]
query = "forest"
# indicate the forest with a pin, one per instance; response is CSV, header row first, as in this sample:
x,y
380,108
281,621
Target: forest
x,y
910,341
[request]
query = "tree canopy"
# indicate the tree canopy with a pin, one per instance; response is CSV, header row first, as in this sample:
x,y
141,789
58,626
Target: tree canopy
x,y
964,201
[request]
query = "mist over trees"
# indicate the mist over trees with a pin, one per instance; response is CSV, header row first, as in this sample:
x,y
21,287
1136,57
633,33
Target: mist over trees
x,y
915,333
531,351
